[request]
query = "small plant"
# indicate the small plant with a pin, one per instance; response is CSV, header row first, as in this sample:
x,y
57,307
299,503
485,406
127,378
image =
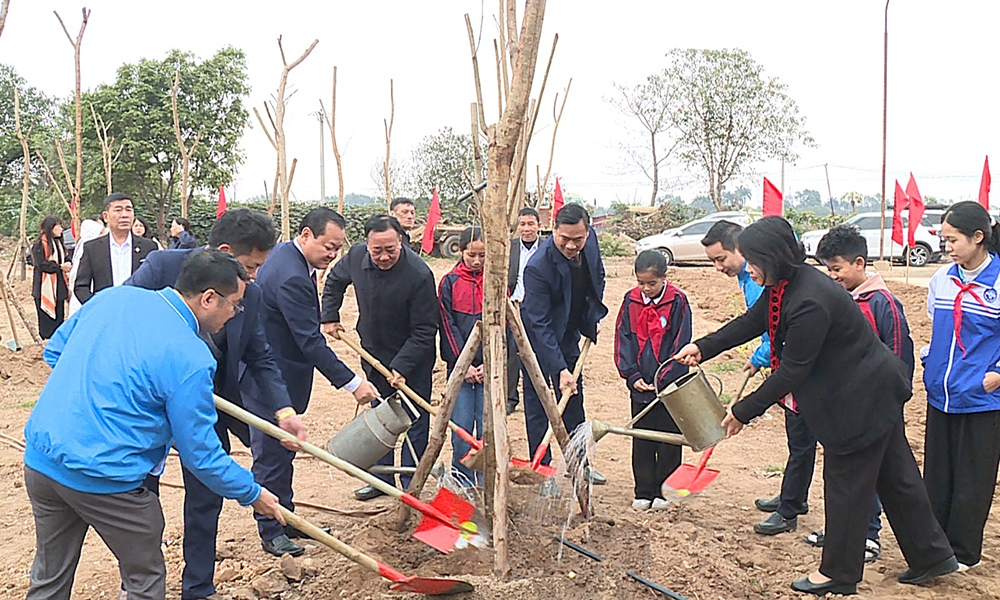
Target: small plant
x,y
726,367
612,245
773,469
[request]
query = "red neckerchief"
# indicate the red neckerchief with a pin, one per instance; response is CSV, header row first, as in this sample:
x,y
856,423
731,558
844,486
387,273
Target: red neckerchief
x,y
956,310
476,279
647,321
775,296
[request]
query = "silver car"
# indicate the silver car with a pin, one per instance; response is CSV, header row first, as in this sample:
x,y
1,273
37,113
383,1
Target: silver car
x,y
683,244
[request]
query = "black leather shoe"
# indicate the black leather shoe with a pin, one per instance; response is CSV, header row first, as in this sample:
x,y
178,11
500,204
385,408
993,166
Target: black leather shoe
x,y
821,589
281,545
770,505
293,532
367,493
776,524
914,575
511,407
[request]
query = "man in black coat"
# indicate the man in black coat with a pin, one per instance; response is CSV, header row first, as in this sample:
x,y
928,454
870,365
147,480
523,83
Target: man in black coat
x,y
397,322
248,236
111,259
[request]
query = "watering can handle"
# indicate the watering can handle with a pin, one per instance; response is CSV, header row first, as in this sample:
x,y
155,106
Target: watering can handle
x,y
656,376
722,386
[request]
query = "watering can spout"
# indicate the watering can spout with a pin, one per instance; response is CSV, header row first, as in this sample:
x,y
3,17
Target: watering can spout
x,y
601,429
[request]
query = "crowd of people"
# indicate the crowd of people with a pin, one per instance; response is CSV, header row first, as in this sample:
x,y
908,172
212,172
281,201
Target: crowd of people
x,y
246,320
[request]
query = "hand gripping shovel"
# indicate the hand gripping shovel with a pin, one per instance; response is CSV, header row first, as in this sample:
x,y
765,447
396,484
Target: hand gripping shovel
x,y
534,472
429,586
688,479
474,444
447,521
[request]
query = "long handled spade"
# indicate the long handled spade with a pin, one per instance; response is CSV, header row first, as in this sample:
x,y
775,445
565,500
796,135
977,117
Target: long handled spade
x,y
475,445
429,586
447,523
533,472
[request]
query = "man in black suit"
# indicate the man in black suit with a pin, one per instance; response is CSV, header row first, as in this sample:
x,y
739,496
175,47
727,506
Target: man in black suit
x,y
110,259
522,248
248,236
290,313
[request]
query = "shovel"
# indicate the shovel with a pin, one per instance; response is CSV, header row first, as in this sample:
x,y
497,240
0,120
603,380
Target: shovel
x,y
429,586
534,472
475,445
687,479
447,522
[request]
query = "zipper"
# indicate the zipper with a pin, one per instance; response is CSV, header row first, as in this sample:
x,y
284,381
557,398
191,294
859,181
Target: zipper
x,y
947,372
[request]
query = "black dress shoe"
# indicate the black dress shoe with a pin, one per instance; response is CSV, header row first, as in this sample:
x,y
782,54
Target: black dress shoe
x,y
367,493
511,407
281,545
914,575
776,524
821,589
294,533
770,505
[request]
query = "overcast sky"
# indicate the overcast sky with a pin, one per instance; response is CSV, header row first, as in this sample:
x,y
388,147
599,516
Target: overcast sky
x,y
943,93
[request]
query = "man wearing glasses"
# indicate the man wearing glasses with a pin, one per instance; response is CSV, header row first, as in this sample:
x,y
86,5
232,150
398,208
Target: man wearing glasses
x,y
397,322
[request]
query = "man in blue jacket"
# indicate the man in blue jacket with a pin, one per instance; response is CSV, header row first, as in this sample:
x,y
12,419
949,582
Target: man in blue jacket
x,y
563,291
247,236
290,312
108,414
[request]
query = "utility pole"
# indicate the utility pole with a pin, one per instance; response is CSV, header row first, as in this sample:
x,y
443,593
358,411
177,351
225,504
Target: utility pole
x,y
782,175
885,111
829,193
322,160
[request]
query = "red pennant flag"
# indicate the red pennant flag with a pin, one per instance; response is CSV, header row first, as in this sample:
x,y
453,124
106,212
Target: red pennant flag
x,y
899,203
916,204
557,200
433,216
72,221
773,203
221,206
984,185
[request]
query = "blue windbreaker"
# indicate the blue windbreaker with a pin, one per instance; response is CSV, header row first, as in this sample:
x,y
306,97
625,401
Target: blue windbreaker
x,y
761,358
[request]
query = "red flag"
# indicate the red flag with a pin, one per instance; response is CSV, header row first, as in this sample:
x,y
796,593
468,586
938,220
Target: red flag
x,y
916,204
773,202
221,207
899,203
557,200
433,216
72,221
984,185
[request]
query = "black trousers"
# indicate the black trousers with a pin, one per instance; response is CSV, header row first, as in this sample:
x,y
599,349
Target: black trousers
x,y
652,462
513,372
537,422
799,468
850,481
961,455
46,324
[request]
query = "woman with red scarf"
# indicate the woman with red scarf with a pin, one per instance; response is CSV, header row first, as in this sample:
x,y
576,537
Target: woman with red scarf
x,y
653,323
460,294
49,286
829,367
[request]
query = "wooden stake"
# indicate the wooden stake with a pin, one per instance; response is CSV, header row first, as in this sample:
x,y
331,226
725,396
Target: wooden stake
x,y
77,117
439,430
20,311
388,136
22,242
10,317
3,13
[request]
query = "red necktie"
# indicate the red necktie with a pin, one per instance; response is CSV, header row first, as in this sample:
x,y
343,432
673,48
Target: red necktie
x,y
956,310
649,320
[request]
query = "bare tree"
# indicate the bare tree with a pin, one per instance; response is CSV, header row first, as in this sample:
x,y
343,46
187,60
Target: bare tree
x,y
74,188
186,152
556,117
108,155
331,122
4,7
388,137
651,104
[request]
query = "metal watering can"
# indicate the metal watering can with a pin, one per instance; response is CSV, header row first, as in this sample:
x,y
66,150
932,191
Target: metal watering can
x,y
371,434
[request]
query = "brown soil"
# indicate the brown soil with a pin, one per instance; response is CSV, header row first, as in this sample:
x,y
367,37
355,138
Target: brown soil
x,y
703,548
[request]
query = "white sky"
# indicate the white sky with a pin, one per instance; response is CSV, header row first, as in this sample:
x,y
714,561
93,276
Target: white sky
x,y
943,59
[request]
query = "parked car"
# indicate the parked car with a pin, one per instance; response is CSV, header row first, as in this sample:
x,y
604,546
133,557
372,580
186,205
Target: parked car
x,y
683,244
925,249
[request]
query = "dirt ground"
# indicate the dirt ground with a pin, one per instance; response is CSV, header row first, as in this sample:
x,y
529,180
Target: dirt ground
x,y
703,548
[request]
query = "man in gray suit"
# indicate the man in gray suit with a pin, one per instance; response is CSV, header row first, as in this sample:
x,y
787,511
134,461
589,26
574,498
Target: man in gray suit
x,y
522,248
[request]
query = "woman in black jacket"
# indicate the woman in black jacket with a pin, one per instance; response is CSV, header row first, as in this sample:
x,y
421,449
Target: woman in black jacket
x,y
828,365
48,284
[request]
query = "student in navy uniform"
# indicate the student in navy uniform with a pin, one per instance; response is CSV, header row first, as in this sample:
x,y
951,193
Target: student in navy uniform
x,y
653,324
844,251
460,294
962,377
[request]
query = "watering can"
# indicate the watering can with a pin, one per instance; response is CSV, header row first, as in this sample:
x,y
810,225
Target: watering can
x,y
371,434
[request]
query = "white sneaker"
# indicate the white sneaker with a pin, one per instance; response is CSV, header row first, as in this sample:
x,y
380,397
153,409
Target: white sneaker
x,y
963,567
640,504
660,504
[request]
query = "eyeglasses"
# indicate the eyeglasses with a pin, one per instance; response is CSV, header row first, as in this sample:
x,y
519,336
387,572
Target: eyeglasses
x,y
237,308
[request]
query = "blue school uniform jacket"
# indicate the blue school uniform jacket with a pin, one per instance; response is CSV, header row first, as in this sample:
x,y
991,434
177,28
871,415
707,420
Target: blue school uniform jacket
x,y
965,341
647,334
884,313
460,295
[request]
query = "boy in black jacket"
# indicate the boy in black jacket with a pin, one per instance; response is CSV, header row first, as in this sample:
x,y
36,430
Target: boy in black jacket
x,y
653,324
844,251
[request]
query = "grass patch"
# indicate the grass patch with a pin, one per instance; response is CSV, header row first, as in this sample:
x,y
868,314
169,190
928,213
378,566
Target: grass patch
x,y
725,399
726,367
775,469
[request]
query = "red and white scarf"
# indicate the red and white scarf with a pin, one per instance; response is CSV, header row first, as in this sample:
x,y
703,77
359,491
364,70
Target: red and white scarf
x,y
49,293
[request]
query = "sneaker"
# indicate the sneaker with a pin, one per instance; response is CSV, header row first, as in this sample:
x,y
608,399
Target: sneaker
x,y
595,477
962,567
641,504
873,550
660,504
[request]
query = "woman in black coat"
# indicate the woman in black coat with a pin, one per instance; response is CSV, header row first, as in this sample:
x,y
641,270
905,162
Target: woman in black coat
x,y
48,284
828,366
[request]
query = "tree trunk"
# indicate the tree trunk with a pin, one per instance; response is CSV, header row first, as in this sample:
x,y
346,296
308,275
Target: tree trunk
x,y
656,169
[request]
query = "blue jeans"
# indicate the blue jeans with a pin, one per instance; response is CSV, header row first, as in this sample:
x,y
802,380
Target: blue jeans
x,y
467,414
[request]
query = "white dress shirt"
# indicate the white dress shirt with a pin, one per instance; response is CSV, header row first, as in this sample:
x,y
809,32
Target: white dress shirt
x,y
121,259
526,253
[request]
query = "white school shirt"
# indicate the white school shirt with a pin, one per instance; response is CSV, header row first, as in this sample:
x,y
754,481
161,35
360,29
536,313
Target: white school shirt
x,y
526,253
121,259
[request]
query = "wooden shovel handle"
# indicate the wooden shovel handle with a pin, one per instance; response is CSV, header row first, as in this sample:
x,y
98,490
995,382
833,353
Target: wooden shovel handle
x,y
563,402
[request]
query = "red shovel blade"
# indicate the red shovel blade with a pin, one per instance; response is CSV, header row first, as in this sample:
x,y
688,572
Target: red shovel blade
x,y
685,481
446,537
432,586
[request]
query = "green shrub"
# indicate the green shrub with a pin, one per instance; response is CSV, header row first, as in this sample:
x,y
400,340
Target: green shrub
x,y
613,245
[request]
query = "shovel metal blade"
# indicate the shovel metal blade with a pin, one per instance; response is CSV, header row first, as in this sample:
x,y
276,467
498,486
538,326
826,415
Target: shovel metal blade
x,y
432,586
686,481
446,537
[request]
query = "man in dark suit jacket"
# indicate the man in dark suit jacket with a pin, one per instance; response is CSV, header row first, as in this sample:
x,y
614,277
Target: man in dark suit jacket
x,y
522,248
564,285
110,259
248,236
290,312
